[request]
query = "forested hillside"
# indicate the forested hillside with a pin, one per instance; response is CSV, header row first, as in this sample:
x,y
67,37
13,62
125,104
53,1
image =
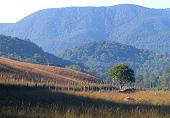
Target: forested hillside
x,y
61,28
25,50
100,56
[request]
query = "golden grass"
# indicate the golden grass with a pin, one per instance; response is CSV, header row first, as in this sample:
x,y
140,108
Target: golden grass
x,y
153,97
47,103
43,73
38,102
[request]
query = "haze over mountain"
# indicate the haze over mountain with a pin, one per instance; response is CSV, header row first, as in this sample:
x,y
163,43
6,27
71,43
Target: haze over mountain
x,y
18,49
100,56
60,28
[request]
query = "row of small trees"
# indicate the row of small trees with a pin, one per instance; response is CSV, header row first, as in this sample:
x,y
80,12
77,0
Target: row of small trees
x,y
121,74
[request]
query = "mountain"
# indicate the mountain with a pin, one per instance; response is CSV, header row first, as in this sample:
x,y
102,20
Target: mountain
x,y
60,28
16,72
100,56
25,50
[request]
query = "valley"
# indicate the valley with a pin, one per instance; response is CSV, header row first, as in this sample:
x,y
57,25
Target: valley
x,y
86,62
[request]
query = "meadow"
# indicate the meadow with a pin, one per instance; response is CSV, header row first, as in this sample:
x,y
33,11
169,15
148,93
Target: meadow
x,y
29,91
40,102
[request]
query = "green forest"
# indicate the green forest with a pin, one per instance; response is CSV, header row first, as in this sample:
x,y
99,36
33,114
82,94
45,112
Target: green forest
x,y
25,50
151,69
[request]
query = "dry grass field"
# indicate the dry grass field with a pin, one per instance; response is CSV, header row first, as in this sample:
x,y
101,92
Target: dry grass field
x,y
21,72
153,97
23,96
38,102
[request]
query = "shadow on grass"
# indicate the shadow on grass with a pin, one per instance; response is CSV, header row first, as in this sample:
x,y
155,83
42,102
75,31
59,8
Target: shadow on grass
x,y
11,95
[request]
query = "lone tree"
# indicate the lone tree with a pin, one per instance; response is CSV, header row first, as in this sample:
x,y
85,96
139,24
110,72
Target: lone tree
x,y
122,74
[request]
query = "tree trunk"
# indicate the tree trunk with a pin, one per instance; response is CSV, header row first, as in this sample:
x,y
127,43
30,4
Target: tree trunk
x,y
121,84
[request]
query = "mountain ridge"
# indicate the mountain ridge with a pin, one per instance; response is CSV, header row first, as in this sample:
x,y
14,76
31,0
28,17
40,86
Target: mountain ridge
x,y
101,56
25,50
57,29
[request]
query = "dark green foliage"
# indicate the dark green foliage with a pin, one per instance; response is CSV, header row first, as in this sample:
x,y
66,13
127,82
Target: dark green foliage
x,y
122,74
58,29
100,56
165,79
18,49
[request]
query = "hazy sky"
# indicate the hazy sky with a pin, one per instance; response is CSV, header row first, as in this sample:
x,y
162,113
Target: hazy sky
x,y
14,10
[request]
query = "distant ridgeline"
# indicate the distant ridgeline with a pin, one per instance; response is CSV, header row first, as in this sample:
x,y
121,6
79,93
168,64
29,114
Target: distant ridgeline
x,y
60,28
94,58
25,50
100,56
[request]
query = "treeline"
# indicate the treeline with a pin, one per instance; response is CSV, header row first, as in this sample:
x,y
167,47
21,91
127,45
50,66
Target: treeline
x,y
22,77
151,80
100,56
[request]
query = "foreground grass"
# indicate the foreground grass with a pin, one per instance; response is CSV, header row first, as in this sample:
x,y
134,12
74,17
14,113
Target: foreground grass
x,y
150,97
32,102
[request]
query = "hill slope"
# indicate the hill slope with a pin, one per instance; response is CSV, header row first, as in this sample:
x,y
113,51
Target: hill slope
x,y
15,71
102,55
61,28
18,49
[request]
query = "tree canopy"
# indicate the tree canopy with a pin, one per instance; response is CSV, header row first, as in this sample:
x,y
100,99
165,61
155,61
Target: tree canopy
x,y
122,74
